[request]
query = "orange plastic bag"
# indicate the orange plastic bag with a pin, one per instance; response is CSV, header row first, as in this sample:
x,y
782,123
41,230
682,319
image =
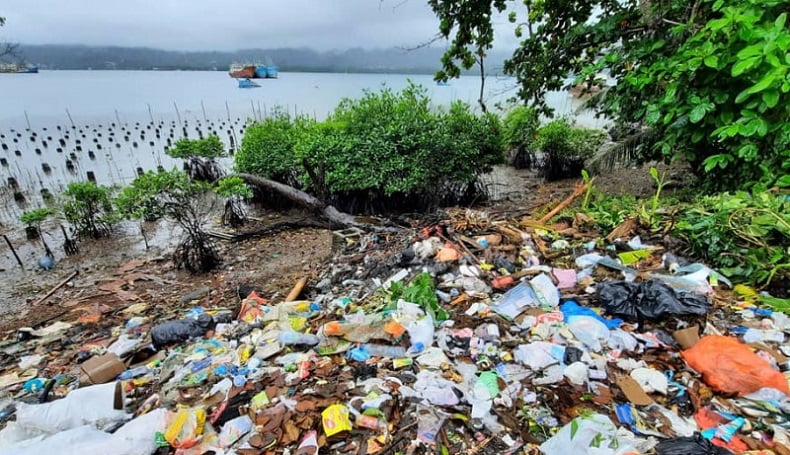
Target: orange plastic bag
x,y
729,366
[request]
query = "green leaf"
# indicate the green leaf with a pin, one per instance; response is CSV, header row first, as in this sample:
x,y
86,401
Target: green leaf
x,y
784,181
779,24
743,65
742,96
711,61
697,113
654,173
763,83
574,427
771,98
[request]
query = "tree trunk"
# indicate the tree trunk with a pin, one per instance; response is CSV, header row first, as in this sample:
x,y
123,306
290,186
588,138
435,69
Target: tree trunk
x,y
311,203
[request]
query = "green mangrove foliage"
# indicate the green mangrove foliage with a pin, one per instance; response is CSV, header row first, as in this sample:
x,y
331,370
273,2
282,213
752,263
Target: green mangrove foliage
x,y
519,128
200,156
32,220
173,195
267,148
565,148
384,150
88,208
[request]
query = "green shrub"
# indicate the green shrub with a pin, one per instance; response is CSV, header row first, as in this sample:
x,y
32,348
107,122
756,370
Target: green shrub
x,y
747,235
88,208
565,148
210,147
267,148
520,126
384,150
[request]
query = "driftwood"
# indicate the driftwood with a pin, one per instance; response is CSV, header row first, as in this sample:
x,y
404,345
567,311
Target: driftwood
x,y
337,218
577,191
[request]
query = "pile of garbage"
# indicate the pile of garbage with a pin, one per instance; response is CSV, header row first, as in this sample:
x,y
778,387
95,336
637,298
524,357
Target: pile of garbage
x,y
500,338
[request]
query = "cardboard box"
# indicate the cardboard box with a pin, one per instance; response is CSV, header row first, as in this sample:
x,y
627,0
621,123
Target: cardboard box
x,y
101,369
687,338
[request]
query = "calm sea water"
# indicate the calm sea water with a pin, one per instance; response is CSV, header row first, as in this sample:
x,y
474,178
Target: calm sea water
x,y
56,126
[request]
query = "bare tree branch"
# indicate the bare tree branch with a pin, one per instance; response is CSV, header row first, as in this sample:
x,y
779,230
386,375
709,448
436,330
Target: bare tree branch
x,y
427,43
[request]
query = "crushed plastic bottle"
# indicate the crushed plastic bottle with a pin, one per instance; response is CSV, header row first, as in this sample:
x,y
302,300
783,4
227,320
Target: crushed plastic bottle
x,y
294,338
383,350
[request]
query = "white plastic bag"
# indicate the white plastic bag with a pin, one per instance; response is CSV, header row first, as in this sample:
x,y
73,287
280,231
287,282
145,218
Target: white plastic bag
x,y
537,355
86,406
590,331
590,435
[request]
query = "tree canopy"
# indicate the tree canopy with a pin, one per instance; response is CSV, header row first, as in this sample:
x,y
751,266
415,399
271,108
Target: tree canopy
x,y
710,77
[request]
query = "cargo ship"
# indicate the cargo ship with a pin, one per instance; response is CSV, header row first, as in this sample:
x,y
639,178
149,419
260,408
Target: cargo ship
x,y
18,69
253,71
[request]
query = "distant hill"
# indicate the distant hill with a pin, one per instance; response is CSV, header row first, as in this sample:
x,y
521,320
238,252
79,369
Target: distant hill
x,y
71,57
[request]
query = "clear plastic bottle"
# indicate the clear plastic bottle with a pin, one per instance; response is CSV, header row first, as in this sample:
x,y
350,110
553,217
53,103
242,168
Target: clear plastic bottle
x,y
133,373
383,350
289,338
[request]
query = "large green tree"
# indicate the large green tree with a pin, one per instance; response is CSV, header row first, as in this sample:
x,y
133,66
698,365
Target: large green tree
x,y
710,77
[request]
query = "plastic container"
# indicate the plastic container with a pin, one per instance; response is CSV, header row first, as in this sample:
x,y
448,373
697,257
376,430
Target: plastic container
x,y
291,338
383,350
420,334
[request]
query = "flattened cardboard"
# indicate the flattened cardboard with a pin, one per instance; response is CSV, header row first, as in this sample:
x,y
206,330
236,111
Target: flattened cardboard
x,y
688,337
101,369
633,391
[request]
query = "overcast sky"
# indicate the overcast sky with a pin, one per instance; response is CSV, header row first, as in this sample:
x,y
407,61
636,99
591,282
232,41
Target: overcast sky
x,y
225,24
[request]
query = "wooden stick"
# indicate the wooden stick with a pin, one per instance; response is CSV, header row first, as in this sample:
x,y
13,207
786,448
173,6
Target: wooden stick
x,y
294,294
13,251
57,286
577,191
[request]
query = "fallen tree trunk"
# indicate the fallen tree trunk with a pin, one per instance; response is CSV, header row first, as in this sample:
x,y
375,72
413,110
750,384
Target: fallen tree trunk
x,y
337,218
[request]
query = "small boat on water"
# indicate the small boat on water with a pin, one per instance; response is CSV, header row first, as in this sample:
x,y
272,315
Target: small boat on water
x,y
267,71
247,83
253,71
18,69
242,71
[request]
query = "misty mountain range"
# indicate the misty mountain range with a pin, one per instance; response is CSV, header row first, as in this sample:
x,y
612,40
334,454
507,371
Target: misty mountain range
x,y
73,57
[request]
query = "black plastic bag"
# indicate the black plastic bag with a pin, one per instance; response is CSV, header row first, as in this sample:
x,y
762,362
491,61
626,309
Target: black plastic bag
x,y
693,445
181,330
649,300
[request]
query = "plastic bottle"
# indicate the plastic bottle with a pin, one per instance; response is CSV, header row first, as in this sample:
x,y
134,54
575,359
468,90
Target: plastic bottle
x,y
421,334
383,350
133,373
289,338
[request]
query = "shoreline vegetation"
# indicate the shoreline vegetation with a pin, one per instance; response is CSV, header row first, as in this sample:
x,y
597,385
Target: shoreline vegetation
x,y
387,153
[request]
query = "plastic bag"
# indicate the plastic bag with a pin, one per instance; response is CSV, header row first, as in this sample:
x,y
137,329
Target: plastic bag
x,y
182,330
86,406
336,419
570,309
593,434
590,331
234,429
651,300
729,366
692,445
186,428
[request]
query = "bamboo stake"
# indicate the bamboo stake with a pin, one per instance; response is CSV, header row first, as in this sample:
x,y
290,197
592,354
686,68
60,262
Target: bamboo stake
x,y
57,286
13,251
294,294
